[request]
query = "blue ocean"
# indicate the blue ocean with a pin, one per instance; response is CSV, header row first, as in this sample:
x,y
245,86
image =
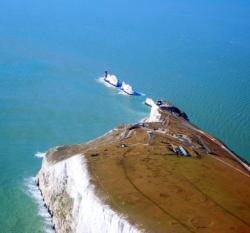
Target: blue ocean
x,y
196,54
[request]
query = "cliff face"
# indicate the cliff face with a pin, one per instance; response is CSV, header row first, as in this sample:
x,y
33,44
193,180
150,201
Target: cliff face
x,y
71,200
163,175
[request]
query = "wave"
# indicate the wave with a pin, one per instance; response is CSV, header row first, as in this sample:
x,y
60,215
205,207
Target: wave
x,y
122,93
101,80
89,213
33,191
40,154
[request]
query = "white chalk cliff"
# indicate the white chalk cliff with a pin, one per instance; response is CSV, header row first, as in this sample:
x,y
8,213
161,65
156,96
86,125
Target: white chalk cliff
x,y
133,179
72,202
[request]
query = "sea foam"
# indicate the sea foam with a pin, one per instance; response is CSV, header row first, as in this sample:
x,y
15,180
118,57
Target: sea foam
x,y
40,154
101,80
35,194
90,214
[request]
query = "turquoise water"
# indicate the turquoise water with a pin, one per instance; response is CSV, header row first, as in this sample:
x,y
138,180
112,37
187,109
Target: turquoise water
x,y
194,53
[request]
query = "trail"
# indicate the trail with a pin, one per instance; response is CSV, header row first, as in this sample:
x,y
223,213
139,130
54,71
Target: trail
x,y
150,199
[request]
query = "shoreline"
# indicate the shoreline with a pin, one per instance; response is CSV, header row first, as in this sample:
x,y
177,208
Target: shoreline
x,y
149,172
95,216
244,162
35,193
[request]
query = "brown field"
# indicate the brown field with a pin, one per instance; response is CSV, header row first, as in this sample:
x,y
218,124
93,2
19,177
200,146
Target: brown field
x,y
144,180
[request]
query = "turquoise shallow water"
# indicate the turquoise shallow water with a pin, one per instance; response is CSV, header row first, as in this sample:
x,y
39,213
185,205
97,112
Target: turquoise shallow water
x,y
193,53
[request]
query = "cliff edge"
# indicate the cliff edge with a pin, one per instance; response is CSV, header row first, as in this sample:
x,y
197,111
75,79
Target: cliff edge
x,y
161,175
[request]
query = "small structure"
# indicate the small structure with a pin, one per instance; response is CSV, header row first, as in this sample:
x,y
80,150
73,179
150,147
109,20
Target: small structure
x,y
179,150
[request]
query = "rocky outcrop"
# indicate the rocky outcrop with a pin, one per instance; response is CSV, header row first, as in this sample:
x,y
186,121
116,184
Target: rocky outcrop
x,y
160,175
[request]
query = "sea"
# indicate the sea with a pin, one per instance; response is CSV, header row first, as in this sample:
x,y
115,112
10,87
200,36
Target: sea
x,y
194,53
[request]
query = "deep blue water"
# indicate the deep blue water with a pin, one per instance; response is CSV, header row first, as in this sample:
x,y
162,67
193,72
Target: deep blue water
x,y
194,53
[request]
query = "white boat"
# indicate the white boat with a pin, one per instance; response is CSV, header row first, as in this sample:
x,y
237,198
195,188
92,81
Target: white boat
x,y
127,89
112,79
